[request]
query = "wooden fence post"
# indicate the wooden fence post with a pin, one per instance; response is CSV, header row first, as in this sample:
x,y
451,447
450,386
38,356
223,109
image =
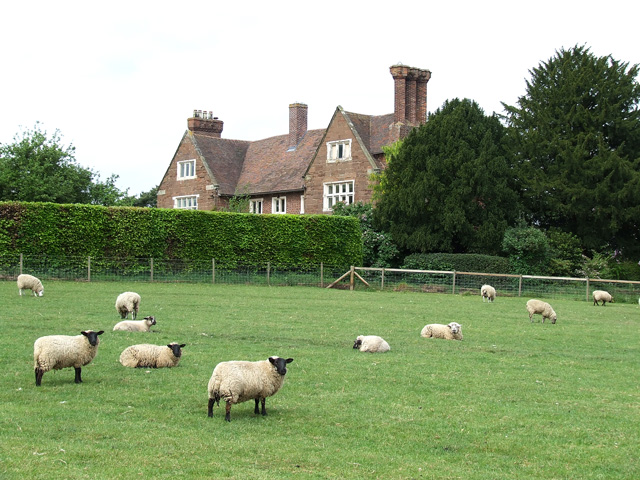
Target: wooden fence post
x,y
520,286
321,275
587,289
269,273
151,267
382,280
351,278
20,264
213,270
89,268
453,291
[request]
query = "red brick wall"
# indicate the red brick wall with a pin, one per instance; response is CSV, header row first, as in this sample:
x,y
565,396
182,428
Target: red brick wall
x,y
293,202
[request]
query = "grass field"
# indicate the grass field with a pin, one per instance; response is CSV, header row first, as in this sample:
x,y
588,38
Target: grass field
x,y
513,400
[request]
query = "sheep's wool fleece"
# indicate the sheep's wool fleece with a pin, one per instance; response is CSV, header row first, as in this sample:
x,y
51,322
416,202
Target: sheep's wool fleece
x,y
61,351
436,330
147,355
127,302
600,295
133,326
539,307
239,381
373,344
29,282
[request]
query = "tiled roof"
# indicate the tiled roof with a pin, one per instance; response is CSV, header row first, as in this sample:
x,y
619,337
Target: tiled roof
x,y
373,129
224,160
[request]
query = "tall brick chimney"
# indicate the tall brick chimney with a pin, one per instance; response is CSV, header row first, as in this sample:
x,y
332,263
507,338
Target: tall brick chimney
x,y
205,123
410,94
297,123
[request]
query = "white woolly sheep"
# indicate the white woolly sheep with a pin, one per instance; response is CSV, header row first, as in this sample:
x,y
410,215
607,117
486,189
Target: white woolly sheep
x,y
29,282
128,303
488,293
239,381
542,308
54,352
146,355
135,325
601,295
452,331
371,344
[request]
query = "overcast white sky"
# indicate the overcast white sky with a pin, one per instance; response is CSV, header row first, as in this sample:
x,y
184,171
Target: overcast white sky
x,y
119,79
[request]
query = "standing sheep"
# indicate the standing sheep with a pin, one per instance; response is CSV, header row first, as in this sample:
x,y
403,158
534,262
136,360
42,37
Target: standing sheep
x,y
153,356
601,295
135,325
452,331
488,293
542,308
239,381
371,344
29,282
54,352
128,303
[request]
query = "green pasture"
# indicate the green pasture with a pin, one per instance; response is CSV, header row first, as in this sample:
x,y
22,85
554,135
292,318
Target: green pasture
x,y
513,400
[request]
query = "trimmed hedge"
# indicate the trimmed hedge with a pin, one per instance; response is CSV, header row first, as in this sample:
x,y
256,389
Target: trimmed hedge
x,y
129,232
460,262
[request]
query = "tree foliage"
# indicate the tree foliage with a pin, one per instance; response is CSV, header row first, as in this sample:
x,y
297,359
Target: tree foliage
x,y
449,186
576,137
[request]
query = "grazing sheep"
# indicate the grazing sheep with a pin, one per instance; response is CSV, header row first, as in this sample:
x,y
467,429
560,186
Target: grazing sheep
x,y
239,381
29,282
601,295
371,344
488,293
135,325
452,331
128,303
153,356
541,308
54,352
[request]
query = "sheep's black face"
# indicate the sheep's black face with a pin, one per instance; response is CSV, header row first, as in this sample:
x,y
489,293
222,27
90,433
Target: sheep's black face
x,y
357,343
92,336
280,364
152,320
175,348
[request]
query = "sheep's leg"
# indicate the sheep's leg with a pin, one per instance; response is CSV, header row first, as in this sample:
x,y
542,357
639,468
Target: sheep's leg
x,y
39,373
264,410
227,415
256,410
78,375
210,407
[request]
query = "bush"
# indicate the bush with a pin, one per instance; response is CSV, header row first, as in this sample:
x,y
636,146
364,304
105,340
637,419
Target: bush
x,y
461,262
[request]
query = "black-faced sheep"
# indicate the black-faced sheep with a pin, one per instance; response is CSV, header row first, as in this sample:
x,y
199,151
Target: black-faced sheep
x,y
538,307
488,293
152,356
239,381
54,352
452,331
29,282
128,303
371,344
135,325
601,295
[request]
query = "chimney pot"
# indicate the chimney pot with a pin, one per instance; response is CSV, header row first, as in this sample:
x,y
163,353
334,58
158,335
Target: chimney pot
x,y
203,122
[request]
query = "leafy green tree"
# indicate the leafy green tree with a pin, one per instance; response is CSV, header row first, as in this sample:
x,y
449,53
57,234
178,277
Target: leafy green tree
x,y
145,199
528,249
38,168
239,203
449,186
576,138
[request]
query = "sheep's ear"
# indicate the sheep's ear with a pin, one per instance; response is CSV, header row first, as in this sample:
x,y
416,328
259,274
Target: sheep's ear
x,y
272,360
289,360
84,333
183,345
100,332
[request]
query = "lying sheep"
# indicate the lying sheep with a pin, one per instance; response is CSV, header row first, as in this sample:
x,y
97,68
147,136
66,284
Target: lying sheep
x,y
542,308
239,381
128,303
29,282
135,325
452,331
54,352
488,293
371,344
599,295
151,356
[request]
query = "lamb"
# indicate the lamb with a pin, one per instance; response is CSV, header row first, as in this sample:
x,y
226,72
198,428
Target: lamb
x,y
371,344
54,352
239,381
452,331
601,295
135,325
542,308
153,356
29,282
488,293
128,303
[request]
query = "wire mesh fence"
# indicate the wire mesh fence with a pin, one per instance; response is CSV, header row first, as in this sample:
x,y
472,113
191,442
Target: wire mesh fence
x,y
355,278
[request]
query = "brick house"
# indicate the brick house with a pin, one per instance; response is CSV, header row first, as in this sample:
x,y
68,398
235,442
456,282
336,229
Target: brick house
x,y
304,171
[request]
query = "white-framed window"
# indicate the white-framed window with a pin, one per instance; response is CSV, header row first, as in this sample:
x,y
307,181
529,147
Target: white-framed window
x,y
279,205
187,169
187,202
339,150
255,206
337,192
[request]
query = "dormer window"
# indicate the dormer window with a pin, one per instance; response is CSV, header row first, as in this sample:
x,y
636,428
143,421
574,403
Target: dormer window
x,y
339,151
187,169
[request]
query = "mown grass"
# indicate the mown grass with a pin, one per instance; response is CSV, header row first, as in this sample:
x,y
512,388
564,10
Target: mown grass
x,y
513,400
